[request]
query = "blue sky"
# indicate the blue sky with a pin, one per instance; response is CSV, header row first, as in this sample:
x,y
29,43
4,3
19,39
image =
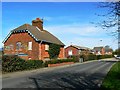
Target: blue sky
x,y
68,21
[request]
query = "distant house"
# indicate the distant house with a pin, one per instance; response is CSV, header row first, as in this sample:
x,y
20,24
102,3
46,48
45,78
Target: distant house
x,y
108,50
99,50
76,50
102,50
31,42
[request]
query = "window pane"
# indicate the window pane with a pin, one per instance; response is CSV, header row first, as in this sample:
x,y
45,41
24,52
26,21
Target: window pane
x,y
18,45
70,52
46,47
29,45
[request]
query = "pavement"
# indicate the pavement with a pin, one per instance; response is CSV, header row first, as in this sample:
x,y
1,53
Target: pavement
x,y
83,76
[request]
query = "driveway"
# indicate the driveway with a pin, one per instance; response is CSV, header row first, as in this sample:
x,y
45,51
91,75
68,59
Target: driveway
x,y
86,76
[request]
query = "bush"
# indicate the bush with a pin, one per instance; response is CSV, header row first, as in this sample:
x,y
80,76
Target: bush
x,y
95,57
31,64
14,63
92,57
55,61
54,51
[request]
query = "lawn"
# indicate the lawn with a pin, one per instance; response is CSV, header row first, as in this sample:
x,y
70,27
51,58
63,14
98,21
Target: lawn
x,y
112,80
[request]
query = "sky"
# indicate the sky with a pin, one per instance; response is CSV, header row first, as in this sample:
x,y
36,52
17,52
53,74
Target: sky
x,y
68,21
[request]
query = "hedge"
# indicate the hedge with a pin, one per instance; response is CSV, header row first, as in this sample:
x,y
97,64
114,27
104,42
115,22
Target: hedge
x,y
54,61
96,57
14,63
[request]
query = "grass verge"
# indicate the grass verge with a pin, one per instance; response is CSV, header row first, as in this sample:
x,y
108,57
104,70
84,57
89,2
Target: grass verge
x,y
112,80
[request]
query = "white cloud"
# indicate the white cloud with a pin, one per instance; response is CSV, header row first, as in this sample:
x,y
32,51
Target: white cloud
x,y
77,29
83,35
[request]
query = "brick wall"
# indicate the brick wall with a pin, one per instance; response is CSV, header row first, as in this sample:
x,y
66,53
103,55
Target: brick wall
x,y
24,38
38,51
74,51
43,54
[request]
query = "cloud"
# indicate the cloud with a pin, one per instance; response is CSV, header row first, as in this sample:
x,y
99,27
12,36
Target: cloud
x,y
82,34
76,28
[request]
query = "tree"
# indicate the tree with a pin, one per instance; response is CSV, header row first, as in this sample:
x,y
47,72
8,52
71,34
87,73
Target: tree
x,y
54,51
112,18
116,52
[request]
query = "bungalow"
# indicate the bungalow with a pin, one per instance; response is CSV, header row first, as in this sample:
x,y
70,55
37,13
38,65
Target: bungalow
x,y
31,42
74,50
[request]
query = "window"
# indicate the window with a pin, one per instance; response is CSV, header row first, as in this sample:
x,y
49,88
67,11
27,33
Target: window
x,y
11,47
29,45
18,45
70,52
46,47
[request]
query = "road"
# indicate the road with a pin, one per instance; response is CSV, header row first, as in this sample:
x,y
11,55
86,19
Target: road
x,y
86,76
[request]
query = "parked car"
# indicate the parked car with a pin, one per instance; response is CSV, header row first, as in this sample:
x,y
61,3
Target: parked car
x,y
117,57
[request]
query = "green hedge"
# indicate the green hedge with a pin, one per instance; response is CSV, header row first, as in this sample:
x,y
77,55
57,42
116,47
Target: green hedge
x,y
14,63
95,57
54,61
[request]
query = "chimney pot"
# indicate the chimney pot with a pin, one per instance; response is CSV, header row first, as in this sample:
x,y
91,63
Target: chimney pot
x,y
38,23
37,18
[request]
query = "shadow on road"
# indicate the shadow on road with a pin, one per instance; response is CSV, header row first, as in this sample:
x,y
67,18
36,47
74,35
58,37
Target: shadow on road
x,y
69,81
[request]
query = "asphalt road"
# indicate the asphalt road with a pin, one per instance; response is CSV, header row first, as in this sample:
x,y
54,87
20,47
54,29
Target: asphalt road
x,y
87,76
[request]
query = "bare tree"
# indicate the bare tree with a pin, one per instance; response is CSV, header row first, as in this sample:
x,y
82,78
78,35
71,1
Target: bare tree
x,y
111,18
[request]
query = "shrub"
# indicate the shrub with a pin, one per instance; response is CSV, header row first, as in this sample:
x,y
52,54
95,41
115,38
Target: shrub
x,y
31,64
14,63
76,58
54,51
92,57
55,61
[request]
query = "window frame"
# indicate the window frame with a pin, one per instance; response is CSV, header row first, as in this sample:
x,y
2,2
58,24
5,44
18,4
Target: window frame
x,y
30,45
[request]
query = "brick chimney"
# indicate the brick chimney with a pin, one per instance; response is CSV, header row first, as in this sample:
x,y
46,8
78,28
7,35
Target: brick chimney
x,y
38,23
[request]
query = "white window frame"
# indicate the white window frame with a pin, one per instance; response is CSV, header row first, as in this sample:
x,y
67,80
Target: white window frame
x,y
30,45
70,52
46,47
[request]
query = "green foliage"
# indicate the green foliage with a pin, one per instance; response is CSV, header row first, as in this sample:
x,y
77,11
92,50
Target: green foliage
x,y
95,57
54,51
112,80
55,61
14,63
33,64
92,57
76,58
116,52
